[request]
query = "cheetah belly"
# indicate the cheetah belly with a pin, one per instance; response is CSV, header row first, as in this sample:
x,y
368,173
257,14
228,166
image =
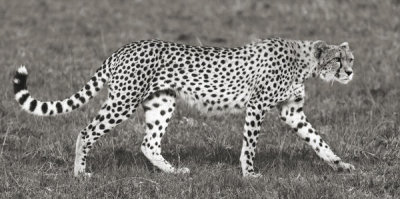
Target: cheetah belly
x,y
216,105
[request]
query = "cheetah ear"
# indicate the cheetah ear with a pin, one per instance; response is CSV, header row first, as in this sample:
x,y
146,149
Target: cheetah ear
x,y
319,47
345,45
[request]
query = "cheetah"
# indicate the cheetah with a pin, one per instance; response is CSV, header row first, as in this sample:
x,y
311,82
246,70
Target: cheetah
x,y
254,78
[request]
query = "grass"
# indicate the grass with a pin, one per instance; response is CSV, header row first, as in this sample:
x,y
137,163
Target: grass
x,y
63,43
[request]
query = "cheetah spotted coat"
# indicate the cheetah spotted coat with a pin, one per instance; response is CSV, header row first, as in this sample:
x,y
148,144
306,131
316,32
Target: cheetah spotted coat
x,y
255,78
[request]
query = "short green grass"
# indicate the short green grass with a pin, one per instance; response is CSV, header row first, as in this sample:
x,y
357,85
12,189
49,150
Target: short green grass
x,y
63,42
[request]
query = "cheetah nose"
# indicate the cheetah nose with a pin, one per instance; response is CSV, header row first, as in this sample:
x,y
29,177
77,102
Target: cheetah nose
x,y
348,72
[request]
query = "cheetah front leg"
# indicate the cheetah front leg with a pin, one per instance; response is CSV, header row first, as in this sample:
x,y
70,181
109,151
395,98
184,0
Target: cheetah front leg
x,y
254,117
292,113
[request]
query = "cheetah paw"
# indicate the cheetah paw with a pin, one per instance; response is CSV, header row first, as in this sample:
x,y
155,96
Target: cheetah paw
x,y
87,175
183,170
83,175
252,175
343,166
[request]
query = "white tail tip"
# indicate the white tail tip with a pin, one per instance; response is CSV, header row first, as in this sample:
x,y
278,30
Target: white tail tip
x,y
22,70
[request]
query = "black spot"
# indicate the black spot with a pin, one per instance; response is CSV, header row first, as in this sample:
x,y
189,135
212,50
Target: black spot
x,y
44,107
256,133
307,139
245,139
336,161
300,125
249,133
70,102
162,112
102,126
298,99
59,107
149,126
23,98
146,108
32,106
82,99
249,163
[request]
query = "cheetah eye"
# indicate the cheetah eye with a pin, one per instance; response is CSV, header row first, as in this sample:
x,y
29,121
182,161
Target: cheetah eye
x,y
351,60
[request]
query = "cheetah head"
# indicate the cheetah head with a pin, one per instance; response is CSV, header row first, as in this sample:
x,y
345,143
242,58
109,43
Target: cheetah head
x,y
334,62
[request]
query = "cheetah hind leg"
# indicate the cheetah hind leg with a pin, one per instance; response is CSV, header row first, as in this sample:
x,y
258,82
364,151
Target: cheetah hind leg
x,y
158,111
99,126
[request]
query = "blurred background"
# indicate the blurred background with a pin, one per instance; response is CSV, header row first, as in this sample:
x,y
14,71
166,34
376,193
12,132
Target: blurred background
x,y
62,43
78,35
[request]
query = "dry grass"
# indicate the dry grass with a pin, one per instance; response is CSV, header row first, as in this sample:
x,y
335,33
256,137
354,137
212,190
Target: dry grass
x,y
63,43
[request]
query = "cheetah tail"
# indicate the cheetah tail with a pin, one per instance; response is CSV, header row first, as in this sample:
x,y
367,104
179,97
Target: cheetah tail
x,y
37,107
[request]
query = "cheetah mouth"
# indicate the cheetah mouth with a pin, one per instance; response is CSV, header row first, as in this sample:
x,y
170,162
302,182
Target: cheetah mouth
x,y
344,80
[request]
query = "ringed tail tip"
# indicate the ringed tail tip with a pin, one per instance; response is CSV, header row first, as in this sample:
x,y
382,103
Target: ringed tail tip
x,y
22,70
20,78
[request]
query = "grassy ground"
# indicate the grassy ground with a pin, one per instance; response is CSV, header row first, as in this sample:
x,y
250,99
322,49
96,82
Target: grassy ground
x,y
63,42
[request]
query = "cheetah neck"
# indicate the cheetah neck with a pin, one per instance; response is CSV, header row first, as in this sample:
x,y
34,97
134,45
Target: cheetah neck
x,y
306,61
